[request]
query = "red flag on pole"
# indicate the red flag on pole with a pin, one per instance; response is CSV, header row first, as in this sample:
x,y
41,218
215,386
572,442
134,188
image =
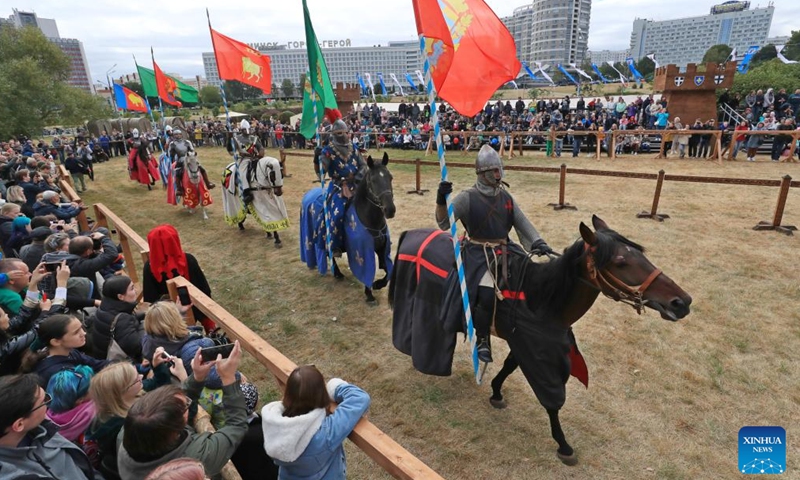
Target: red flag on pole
x,y
470,52
166,86
238,61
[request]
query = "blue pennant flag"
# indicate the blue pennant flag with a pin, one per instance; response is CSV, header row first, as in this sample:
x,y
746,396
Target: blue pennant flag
x,y
363,86
530,72
744,65
411,81
597,71
383,85
636,75
566,74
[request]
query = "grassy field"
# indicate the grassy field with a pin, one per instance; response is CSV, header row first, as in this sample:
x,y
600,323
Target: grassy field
x,y
666,400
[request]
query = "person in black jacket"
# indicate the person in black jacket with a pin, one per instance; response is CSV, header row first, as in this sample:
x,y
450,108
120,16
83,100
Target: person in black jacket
x,y
85,259
168,260
119,302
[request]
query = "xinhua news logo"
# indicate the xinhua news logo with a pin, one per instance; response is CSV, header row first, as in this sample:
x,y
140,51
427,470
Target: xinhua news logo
x,y
762,450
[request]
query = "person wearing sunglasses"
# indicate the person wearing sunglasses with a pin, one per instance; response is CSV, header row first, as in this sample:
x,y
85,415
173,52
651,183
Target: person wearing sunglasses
x,y
30,445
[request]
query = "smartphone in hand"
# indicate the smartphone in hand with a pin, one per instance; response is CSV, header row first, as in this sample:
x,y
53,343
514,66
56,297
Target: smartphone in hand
x,y
209,354
183,296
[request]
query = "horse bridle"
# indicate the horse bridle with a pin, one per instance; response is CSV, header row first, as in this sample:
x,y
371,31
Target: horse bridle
x,y
633,295
371,197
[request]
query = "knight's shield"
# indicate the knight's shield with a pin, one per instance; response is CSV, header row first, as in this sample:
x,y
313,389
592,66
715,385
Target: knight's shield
x,y
699,79
679,81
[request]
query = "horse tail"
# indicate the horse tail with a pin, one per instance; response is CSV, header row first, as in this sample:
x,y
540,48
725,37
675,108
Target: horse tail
x,y
393,275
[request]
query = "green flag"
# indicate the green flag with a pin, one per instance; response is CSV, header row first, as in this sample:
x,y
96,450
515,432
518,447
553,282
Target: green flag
x,y
317,79
185,93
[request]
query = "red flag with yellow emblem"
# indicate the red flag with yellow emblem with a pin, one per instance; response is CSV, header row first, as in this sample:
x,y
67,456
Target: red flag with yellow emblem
x,y
238,61
166,85
470,52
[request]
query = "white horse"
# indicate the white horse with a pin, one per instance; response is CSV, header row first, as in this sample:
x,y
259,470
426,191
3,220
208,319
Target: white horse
x,y
255,187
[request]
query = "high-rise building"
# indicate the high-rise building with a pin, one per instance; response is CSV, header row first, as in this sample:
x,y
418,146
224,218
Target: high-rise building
x,y
551,31
686,40
290,61
602,56
79,68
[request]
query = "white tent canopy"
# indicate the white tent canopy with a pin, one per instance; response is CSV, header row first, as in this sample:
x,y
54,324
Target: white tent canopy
x,y
233,115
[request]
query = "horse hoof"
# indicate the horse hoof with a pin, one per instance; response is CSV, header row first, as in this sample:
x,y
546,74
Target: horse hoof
x,y
569,460
498,404
372,302
278,245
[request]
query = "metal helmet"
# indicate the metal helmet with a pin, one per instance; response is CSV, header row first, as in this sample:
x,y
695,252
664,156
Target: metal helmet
x,y
244,125
177,132
488,160
135,133
168,129
340,138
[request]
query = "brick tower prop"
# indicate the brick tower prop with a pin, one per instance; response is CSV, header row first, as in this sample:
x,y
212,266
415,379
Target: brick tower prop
x,y
692,94
346,95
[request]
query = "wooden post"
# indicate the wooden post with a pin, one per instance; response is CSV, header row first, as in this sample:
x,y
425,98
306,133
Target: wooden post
x,y
430,143
418,168
502,146
786,182
282,163
561,188
599,136
661,145
511,147
732,145
792,148
718,148
520,145
613,144
553,143
653,213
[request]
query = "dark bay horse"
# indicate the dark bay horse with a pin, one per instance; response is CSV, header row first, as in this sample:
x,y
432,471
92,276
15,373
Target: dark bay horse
x,y
541,301
366,230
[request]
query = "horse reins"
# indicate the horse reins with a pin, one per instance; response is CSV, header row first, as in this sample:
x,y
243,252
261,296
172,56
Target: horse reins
x,y
621,291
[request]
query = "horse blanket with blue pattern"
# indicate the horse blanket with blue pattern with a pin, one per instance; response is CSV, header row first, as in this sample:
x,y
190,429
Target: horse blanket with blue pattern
x,y
359,242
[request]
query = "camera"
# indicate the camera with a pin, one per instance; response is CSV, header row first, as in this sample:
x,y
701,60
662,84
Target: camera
x,y
97,244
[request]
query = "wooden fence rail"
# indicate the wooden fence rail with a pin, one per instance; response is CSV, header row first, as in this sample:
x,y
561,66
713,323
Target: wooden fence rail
x,y
392,457
134,247
785,184
517,140
65,183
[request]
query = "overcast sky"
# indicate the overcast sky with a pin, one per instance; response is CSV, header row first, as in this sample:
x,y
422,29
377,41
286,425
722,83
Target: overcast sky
x,y
111,31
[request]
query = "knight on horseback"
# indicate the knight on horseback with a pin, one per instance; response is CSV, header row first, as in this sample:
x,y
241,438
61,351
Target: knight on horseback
x,y
141,164
177,150
344,166
488,213
253,184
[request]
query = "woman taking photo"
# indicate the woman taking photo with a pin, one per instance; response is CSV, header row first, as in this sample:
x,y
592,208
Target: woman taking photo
x,y
302,435
113,391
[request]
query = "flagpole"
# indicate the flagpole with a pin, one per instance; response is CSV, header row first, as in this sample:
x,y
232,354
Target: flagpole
x,y
229,127
451,213
149,110
321,177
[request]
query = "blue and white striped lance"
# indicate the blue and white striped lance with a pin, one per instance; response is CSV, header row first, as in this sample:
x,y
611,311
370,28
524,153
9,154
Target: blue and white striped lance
x,y
325,212
437,133
237,177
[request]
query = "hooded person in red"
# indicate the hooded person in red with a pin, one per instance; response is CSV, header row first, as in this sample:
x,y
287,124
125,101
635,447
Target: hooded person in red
x,y
168,260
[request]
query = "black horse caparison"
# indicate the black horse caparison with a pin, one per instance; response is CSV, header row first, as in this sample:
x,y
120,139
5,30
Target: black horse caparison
x,y
553,296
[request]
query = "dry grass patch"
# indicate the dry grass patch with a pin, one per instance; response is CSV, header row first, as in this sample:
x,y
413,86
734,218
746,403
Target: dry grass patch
x,y
666,400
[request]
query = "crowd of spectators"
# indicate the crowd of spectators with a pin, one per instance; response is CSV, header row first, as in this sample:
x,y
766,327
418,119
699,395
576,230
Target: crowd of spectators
x,y
95,385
